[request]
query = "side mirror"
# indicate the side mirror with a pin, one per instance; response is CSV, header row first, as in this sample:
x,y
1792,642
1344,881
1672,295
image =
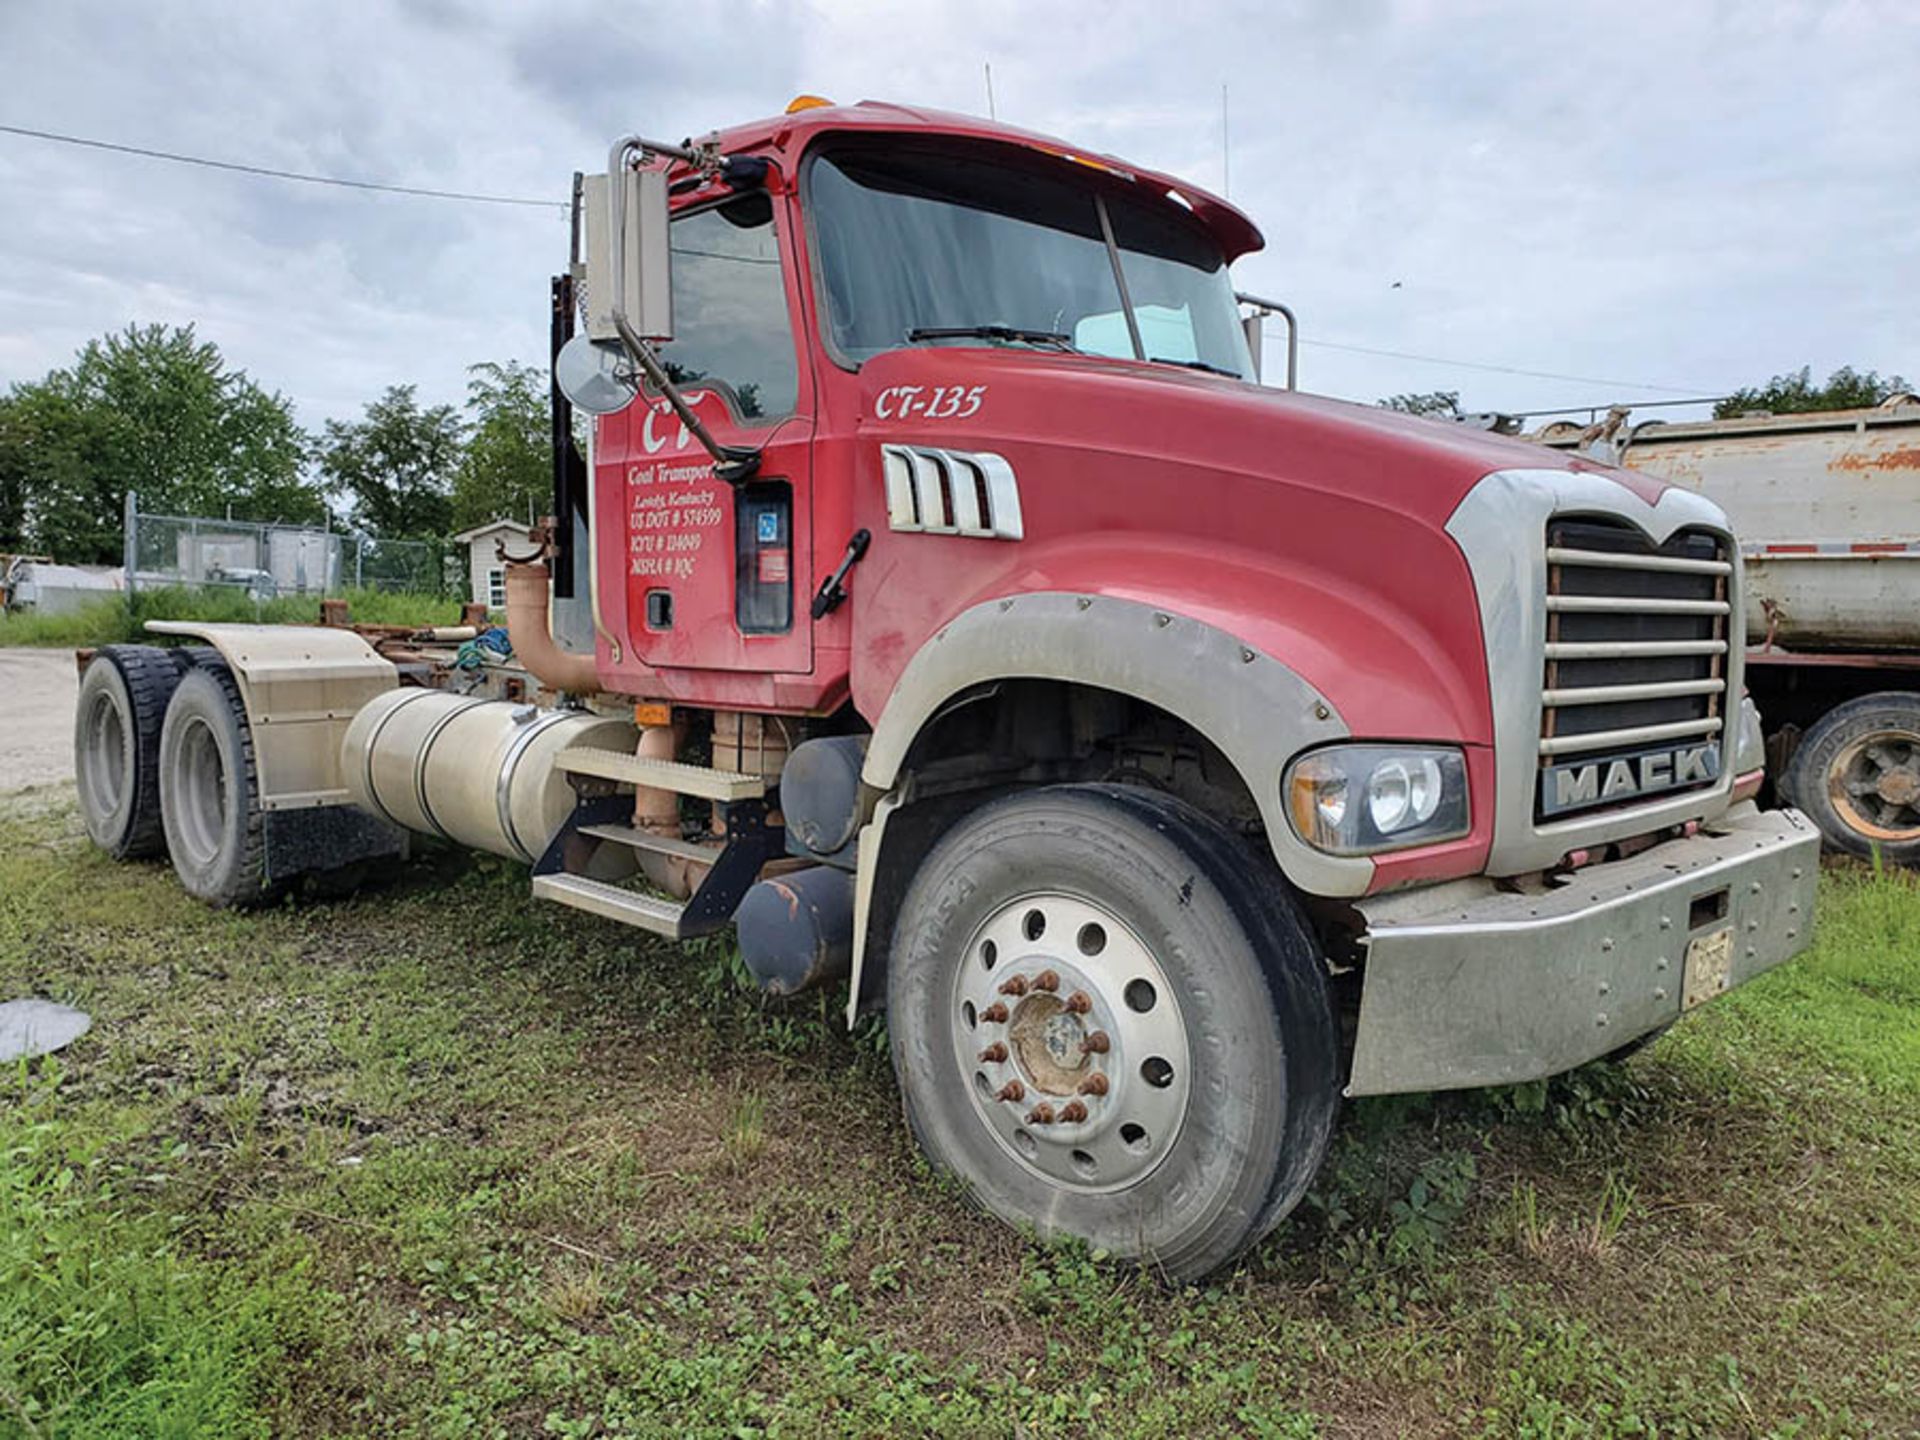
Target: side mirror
x,y
1261,310
629,264
594,376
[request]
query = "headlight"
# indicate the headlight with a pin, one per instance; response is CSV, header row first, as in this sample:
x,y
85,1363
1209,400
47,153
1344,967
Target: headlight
x,y
1750,746
1360,799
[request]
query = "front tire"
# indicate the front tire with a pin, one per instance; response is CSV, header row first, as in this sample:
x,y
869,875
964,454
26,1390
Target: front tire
x,y
1856,774
210,792
1109,1020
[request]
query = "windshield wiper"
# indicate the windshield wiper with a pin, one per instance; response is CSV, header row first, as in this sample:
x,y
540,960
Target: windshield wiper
x,y
1010,333
1197,365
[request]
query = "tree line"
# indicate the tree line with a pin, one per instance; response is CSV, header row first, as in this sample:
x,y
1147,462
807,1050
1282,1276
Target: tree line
x,y
1793,393
157,410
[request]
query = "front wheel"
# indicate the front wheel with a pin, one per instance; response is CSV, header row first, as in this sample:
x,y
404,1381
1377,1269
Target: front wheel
x,y
1110,1021
1857,776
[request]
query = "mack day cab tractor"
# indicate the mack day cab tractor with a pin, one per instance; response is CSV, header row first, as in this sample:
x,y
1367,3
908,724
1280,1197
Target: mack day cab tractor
x,y
942,600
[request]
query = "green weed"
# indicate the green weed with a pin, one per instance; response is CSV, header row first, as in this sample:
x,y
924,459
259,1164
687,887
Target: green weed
x,y
120,618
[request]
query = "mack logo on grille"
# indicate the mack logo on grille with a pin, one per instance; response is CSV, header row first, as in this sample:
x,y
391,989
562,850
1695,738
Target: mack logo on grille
x,y
1612,780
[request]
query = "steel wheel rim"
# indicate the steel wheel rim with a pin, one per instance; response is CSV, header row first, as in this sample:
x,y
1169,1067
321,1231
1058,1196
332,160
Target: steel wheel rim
x,y
106,751
1874,784
200,811
1068,1037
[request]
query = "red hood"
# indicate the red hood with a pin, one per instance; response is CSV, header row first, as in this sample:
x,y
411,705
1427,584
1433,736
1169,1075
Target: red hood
x,y
1421,468
1312,529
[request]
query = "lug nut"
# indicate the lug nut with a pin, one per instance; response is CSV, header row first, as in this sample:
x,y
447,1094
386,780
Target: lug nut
x,y
1041,1114
1096,1044
1013,1092
994,1014
1046,980
1094,1084
1078,1003
1072,1113
994,1053
1015,985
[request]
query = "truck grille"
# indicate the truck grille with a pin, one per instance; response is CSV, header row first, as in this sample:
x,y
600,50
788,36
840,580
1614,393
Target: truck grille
x,y
1636,657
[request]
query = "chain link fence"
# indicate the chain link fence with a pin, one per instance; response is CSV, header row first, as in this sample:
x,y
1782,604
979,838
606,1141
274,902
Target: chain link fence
x,y
267,561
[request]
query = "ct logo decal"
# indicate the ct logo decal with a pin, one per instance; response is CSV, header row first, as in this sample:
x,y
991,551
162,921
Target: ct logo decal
x,y
655,443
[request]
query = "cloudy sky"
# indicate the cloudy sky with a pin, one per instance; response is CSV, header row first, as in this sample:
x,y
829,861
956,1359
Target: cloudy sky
x,y
1656,200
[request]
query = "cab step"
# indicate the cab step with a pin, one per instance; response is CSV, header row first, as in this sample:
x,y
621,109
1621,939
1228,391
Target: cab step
x,y
698,780
637,839
629,907
752,841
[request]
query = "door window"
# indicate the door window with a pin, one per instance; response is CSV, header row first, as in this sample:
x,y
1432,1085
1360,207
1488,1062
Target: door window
x,y
731,329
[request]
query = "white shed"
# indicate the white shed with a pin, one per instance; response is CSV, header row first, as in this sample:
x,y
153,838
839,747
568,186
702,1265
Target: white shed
x,y
486,571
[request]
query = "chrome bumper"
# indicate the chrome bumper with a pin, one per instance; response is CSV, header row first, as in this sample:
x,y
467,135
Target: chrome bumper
x,y
1467,986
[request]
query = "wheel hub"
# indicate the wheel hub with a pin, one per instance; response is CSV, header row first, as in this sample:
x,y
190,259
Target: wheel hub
x,y
1046,1044
1067,1032
1874,784
1899,787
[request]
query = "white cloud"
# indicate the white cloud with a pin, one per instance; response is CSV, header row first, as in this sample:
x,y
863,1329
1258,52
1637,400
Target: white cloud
x,y
1682,195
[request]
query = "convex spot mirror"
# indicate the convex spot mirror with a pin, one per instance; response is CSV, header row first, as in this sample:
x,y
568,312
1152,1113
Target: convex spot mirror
x,y
595,377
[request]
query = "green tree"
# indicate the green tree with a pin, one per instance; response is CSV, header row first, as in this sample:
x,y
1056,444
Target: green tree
x,y
1795,392
507,470
16,474
156,410
396,465
1435,404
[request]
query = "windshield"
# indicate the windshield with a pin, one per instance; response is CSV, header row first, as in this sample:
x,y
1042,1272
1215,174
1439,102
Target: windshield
x,y
918,240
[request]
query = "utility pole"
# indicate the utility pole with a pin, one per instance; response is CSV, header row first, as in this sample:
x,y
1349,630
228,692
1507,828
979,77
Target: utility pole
x,y
130,543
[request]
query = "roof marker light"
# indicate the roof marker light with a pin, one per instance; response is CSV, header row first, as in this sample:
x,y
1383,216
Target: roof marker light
x,y
808,102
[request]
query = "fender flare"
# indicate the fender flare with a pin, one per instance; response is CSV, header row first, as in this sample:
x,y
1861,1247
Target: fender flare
x,y
1258,711
301,685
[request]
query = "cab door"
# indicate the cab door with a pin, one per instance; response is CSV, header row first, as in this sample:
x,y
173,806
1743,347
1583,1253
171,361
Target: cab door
x,y
719,575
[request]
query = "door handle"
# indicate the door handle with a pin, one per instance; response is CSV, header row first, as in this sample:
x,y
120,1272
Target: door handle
x,y
833,589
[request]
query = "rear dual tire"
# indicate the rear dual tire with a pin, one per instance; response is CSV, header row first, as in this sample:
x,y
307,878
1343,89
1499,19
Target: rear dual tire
x,y
210,791
1124,916
122,704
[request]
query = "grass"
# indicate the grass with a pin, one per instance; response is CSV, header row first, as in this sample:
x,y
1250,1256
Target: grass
x,y
433,1161
120,617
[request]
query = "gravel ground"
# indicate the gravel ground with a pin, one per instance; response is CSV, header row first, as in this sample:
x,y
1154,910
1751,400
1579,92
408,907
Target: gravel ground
x,y
37,689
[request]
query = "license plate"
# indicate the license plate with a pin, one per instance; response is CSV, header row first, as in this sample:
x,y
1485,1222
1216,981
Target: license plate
x,y
1709,966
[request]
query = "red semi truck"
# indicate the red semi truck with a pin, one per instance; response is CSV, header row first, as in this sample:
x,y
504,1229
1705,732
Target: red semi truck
x,y
941,600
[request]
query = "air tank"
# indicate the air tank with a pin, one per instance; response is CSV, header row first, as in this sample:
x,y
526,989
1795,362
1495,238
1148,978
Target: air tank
x,y
477,772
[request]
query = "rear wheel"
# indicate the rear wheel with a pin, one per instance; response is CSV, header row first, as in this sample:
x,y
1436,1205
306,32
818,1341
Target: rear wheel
x,y
210,792
1857,775
116,747
1111,1022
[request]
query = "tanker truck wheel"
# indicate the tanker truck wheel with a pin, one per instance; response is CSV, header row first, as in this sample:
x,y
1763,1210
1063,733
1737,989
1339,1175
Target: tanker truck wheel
x,y
116,747
1109,1020
1857,775
210,792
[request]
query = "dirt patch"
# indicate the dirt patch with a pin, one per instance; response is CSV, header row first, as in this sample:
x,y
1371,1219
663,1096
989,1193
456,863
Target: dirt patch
x,y
37,691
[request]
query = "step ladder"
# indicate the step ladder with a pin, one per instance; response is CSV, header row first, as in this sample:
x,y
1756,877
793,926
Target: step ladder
x,y
605,818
